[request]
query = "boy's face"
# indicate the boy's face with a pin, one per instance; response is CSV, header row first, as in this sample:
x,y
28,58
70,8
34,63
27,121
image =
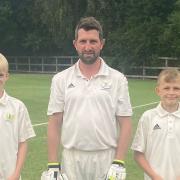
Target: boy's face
x,y
3,78
169,93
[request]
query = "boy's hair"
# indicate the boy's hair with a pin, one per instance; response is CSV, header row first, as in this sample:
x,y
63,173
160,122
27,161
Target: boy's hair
x,y
89,23
4,66
168,75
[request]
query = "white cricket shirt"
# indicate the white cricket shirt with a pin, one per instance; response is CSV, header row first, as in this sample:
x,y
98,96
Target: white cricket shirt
x,y
15,127
158,137
90,106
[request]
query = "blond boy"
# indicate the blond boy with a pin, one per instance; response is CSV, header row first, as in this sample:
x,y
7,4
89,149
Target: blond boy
x,y
157,141
15,129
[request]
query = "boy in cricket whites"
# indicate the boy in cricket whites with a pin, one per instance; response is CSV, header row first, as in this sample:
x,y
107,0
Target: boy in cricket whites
x,y
157,141
15,130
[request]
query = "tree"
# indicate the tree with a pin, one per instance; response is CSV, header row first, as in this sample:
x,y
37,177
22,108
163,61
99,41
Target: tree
x,y
170,39
137,41
8,30
135,31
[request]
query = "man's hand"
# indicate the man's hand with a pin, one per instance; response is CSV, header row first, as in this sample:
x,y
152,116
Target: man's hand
x,y
117,171
53,173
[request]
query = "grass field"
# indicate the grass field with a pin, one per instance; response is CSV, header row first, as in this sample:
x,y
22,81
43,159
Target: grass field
x,y
33,90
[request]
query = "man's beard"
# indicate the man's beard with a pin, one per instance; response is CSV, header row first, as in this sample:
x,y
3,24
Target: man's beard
x,y
91,59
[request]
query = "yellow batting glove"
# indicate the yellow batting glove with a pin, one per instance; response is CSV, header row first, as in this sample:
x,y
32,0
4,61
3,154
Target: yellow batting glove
x,y
117,171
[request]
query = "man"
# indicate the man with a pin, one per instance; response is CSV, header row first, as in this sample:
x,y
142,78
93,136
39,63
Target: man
x,y
88,102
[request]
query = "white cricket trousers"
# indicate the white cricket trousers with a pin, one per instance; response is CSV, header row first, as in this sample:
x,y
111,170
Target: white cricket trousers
x,y
87,165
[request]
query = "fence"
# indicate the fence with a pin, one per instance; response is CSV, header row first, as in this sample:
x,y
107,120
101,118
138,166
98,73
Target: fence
x,y
152,71
54,64
40,64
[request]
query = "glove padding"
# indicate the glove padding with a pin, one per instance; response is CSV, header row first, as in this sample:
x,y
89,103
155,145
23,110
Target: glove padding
x,y
116,172
53,173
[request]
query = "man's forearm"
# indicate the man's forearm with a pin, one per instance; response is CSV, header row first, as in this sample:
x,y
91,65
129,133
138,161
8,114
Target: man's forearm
x,y
54,125
124,137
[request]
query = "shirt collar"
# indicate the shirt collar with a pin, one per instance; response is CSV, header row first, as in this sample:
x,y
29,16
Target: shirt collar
x,y
4,98
103,71
162,112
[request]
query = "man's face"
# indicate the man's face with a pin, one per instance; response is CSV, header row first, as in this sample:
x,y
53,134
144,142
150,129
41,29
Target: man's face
x,y
88,45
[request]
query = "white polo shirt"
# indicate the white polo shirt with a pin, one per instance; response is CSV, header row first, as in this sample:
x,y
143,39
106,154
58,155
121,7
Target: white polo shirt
x,y
90,106
15,127
158,136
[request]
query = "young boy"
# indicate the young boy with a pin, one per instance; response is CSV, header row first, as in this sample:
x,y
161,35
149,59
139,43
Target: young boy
x,y
15,129
157,141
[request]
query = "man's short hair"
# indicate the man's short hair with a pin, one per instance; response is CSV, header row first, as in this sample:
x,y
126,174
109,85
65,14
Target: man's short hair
x,y
168,75
4,66
89,23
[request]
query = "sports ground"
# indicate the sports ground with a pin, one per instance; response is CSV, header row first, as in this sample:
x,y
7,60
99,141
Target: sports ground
x,y
33,90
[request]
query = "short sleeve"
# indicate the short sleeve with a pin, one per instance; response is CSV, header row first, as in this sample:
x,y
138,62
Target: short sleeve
x,y
56,100
139,141
123,103
26,130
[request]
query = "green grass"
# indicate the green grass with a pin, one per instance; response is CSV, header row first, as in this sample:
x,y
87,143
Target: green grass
x,y
34,91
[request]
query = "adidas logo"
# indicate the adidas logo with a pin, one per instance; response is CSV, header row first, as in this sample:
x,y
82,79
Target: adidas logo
x,y
71,85
156,127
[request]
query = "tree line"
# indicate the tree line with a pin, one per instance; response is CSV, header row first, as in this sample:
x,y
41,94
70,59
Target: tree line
x,y
136,31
